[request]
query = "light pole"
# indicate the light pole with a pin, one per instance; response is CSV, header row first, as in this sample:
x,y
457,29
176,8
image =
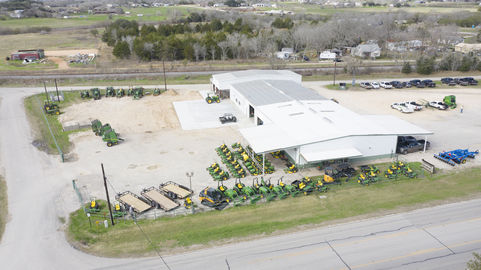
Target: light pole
x,y
190,174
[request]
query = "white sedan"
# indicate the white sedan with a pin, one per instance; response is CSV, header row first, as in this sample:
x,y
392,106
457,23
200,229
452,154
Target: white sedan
x,y
386,85
402,108
375,85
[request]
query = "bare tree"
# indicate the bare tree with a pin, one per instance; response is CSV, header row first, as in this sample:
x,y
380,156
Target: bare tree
x,y
212,52
224,46
203,51
197,48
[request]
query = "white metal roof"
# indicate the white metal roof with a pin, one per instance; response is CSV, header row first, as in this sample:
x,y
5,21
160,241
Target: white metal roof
x,y
330,154
225,80
296,123
264,92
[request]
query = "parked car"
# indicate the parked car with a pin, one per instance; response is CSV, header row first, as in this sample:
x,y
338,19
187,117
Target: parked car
x,y
386,85
461,82
429,83
415,82
447,80
406,84
396,84
420,85
416,106
411,106
366,85
438,105
375,85
470,80
409,144
402,108
305,58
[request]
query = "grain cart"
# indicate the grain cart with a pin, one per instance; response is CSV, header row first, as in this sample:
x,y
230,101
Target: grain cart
x,y
111,138
120,93
110,92
450,101
95,93
84,94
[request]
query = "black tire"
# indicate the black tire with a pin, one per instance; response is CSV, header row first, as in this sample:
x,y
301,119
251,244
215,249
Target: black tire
x,y
404,152
109,144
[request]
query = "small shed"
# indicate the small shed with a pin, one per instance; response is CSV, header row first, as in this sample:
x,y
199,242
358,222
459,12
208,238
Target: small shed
x,y
28,54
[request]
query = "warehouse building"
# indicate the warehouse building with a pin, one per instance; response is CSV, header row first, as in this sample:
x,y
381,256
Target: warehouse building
x,y
307,126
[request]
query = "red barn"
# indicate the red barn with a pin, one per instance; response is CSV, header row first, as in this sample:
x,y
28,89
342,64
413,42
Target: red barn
x,y
28,54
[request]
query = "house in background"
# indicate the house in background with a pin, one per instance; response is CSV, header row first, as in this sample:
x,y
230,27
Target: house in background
x,y
327,55
467,48
369,50
285,53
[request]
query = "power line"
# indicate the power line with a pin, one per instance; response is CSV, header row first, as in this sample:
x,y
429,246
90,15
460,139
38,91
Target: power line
x,y
151,243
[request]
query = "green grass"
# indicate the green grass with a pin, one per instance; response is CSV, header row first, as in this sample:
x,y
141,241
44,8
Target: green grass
x,y
150,15
3,205
42,134
214,227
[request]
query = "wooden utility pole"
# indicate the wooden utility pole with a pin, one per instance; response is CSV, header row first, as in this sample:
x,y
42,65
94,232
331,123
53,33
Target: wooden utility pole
x,y
58,98
107,194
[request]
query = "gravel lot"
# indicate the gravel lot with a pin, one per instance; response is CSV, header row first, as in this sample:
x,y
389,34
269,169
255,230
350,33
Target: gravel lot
x,y
156,149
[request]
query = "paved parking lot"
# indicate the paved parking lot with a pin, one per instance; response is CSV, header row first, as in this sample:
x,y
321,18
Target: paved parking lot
x,y
198,114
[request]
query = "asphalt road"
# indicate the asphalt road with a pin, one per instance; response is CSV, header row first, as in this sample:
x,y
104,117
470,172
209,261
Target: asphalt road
x,y
435,238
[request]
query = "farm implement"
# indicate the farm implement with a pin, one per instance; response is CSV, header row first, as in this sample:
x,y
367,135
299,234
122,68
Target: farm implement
x,y
95,93
213,198
368,175
458,156
108,134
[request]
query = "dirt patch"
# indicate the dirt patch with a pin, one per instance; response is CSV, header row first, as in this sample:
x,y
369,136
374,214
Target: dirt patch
x,y
64,53
62,64
125,115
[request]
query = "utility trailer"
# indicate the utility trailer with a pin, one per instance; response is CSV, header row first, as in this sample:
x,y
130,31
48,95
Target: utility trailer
x,y
129,199
156,196
174,190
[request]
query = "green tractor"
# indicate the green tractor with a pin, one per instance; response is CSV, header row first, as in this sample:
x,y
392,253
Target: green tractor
x,y
450,101
110,92
262,189
51,108
95,93
84,94
120,93
246,192
111,138
138,92
211,99
305,185
157,92
130,92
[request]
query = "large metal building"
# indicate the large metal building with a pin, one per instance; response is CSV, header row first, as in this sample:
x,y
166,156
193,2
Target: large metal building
x,y
308,127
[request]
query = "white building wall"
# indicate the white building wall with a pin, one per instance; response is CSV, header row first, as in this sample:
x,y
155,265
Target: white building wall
x,y
368,145
240,101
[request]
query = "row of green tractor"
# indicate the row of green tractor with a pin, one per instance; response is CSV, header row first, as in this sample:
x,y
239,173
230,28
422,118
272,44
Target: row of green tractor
x,y
230,161
136,92
240,193
217,173
93,207
107,133
371,174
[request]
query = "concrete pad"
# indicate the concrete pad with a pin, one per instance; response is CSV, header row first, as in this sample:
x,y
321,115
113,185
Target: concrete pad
x,y
198,114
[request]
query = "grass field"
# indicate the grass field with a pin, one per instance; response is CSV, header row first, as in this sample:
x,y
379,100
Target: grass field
x,y
37,122
58,40
317,9
214,227
3,205
149,15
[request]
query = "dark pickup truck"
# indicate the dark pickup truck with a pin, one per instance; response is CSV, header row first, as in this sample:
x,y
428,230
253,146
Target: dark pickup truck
x,y
409,144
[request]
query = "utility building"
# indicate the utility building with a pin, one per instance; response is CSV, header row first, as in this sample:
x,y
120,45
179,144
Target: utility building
x,y
307,126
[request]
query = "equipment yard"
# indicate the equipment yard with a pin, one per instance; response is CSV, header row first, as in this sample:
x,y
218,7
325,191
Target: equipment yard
x,y
157,149
151,167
